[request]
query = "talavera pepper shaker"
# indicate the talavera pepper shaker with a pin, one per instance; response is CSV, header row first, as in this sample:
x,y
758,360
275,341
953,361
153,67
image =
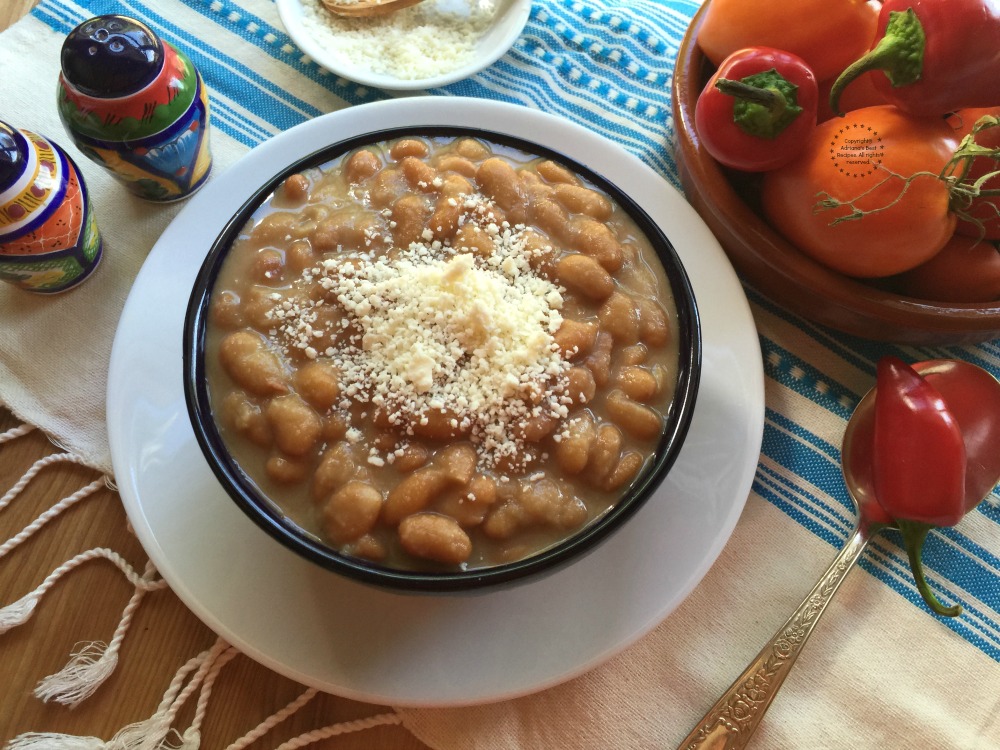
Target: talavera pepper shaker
x,y
49,240
137,106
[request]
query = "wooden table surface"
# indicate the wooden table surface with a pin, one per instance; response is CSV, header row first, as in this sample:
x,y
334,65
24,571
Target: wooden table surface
x,y
87,604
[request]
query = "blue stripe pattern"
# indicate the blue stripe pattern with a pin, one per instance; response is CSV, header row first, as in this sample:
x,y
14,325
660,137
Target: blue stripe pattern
x,y
608,66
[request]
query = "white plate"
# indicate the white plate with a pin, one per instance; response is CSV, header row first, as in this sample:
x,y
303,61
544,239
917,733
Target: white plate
x,y
372,645
511,16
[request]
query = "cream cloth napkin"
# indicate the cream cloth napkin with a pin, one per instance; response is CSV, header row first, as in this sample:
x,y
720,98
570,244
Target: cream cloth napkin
x,y
880,672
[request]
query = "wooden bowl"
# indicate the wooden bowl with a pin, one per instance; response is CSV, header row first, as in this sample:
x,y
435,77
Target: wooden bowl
x,y
776,268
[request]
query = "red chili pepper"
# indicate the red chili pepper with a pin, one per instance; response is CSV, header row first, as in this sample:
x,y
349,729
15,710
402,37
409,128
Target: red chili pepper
x,y
938,56
918,462
758,110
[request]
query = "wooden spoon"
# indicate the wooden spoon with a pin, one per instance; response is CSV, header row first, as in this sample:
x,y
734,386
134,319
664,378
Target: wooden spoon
x,y
366,8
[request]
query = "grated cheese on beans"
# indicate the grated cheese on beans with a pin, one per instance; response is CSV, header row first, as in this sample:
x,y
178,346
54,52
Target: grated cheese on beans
x,y
439,329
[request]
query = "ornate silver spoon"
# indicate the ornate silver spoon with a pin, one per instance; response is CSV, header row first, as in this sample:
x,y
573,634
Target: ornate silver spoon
x,y
974,396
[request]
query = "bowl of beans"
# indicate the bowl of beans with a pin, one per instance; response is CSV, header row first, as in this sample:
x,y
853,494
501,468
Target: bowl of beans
x,y
440,358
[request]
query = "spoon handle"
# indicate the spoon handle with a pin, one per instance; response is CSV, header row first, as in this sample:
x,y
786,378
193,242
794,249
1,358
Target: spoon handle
x,y
729,724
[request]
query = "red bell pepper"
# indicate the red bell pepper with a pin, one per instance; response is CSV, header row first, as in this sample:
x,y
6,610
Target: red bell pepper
x,y
937,55
918,462
758,110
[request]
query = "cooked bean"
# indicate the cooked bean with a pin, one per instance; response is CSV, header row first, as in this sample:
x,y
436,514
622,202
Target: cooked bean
x,y
472,149
580,385
457,462
581,200
599,360
296,188
419,174
626,470
473,238
432,536
506,519
444,221
545,502
386,187
554,172
362,165
619,317
226,311
576,337
351,512
583,274
605,453
654,326
542,254
458,164
470,504
596,239
635,354
247,418
337,466
439,424
274,228
335,425
286,470
413,493
454,185
409,215
577,440
638,419
319,384
638,383
369,547
300,256
411,456
497,179
538,427
247,360
297,428
408,147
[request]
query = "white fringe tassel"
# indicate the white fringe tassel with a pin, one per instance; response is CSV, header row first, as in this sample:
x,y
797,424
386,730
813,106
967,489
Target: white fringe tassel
x,y
156,732
94,662
21,611
90,666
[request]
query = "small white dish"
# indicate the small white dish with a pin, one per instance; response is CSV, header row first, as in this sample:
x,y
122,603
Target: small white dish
x,y
503,30
382,647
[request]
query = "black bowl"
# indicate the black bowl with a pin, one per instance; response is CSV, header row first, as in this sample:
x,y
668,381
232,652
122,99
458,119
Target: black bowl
x,y
266,514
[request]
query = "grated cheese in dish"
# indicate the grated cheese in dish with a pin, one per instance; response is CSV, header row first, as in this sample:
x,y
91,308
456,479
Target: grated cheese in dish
x,y
440,329
422,41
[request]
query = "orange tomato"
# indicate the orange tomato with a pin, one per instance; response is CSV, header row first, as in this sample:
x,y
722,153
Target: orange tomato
x,y
967,269
877,161
828,34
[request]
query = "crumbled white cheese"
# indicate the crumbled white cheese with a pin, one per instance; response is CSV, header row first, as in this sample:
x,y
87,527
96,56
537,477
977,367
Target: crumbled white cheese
x,y
423,41
440,329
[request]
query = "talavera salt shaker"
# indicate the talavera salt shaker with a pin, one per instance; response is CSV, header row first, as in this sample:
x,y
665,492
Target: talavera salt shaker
x,y
137,106
49,240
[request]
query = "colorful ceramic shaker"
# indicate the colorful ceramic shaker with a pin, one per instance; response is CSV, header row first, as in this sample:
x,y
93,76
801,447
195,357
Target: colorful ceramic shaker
x,y
49,239
135,105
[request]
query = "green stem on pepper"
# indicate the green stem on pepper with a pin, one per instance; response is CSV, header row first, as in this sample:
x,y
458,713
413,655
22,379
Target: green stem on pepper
x,y
914,533
900,54
765,103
